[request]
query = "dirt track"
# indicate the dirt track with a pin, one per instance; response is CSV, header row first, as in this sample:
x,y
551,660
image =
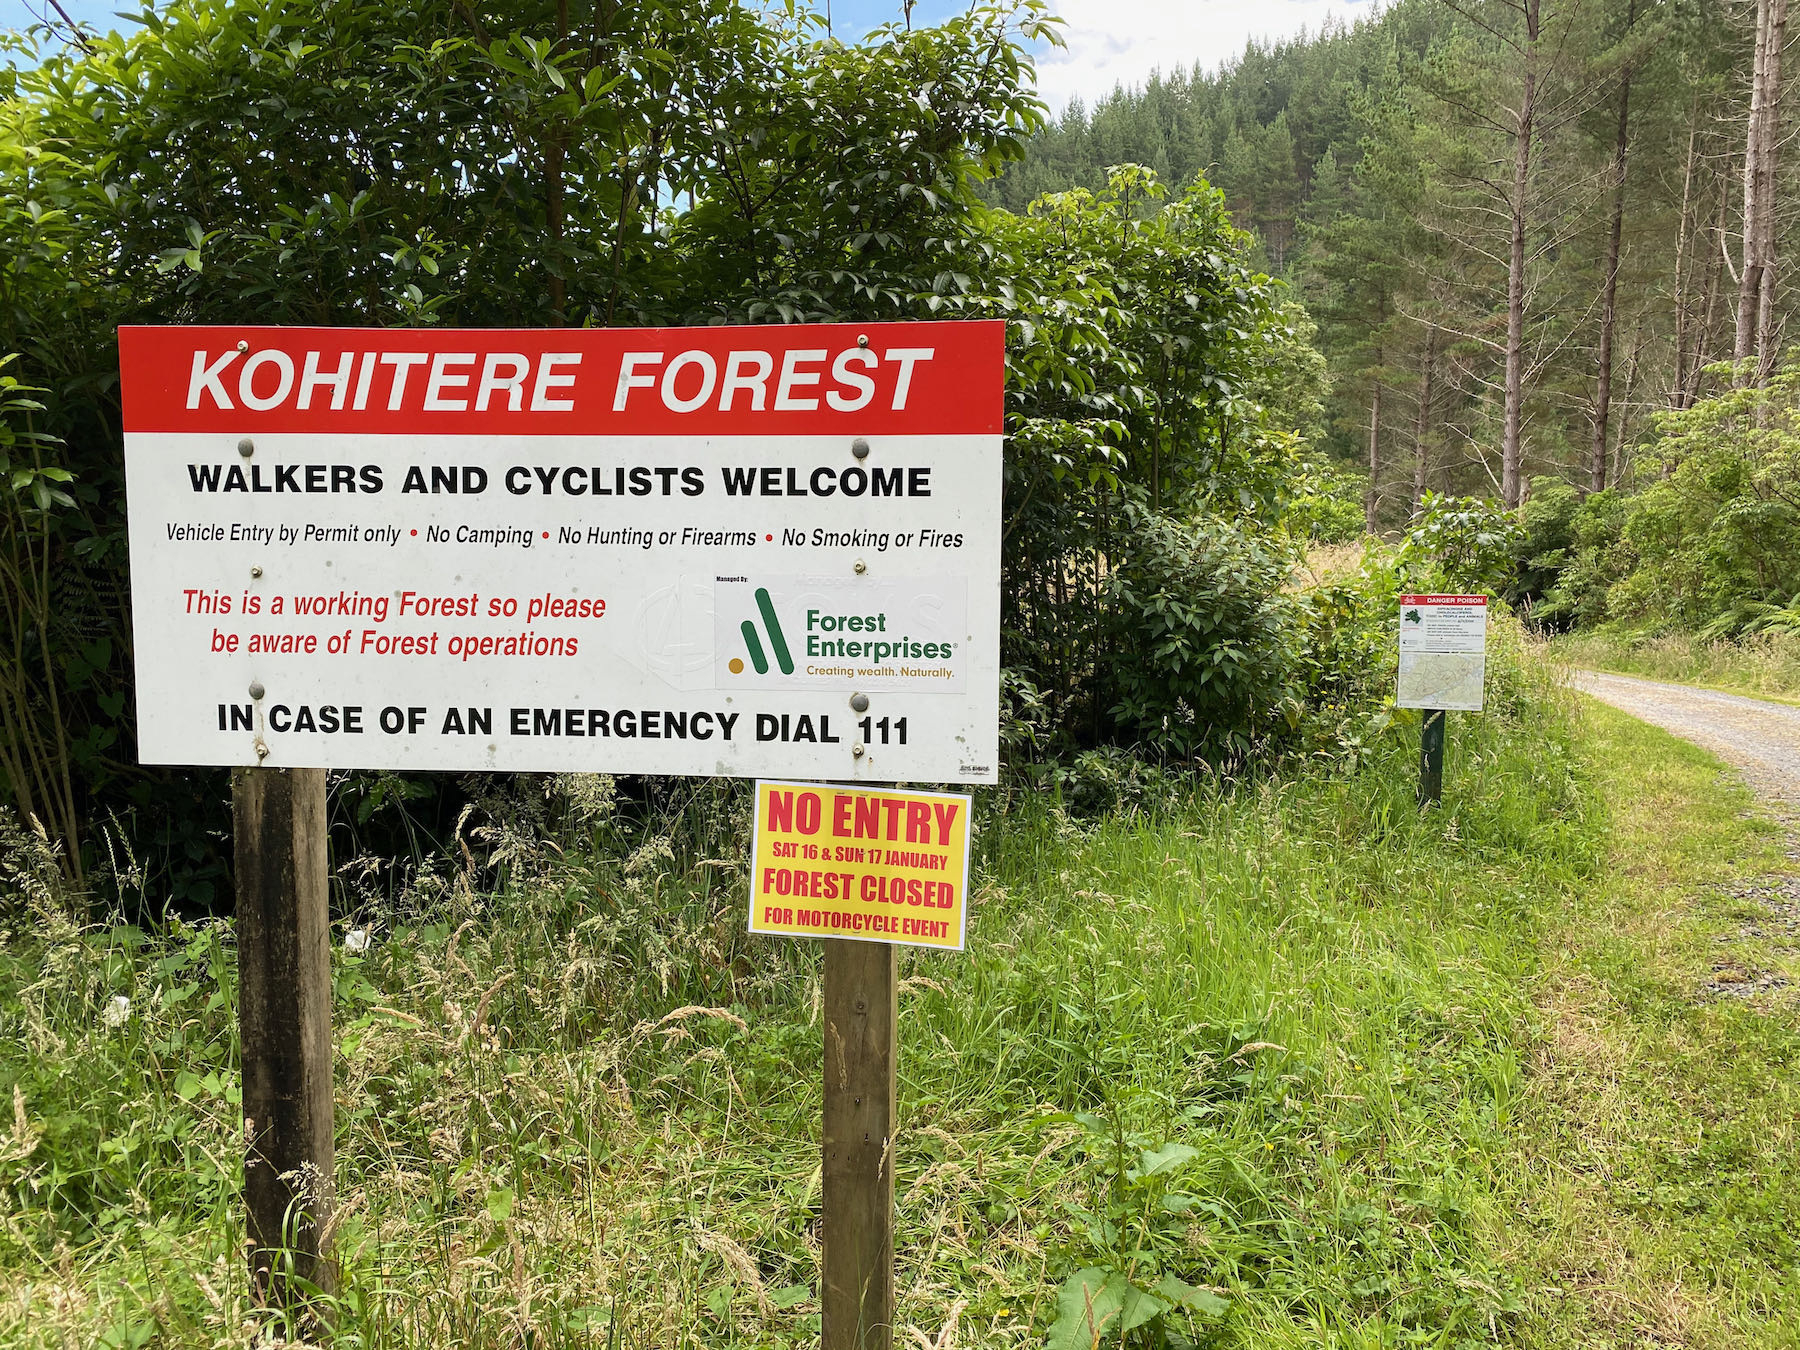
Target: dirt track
x,y
1760,739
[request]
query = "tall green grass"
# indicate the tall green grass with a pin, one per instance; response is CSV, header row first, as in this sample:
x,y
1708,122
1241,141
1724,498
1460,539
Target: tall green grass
x,y
584,1110
1756,663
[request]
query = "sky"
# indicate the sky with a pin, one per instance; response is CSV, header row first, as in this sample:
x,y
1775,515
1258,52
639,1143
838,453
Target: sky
x,y
1111,42
1108,41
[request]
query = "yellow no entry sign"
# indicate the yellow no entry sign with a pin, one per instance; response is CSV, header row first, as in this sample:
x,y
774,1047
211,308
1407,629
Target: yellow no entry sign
x,y
868,863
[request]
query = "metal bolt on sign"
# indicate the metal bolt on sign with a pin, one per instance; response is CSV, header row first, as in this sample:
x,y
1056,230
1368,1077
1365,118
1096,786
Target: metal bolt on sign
x,y
860,448
859,702
246,447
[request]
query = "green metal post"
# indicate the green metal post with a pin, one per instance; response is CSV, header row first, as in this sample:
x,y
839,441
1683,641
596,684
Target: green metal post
x,y
1431,758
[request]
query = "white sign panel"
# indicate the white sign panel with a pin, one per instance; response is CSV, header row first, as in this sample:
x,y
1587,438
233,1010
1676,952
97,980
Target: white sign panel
x,y
1443,652
651,551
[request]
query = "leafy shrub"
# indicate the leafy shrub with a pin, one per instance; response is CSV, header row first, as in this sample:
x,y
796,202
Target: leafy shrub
x,y
1568,554
1717,538
1347,653
1153,375
1461,545
1202,638
1546,538
1327,505
1597,561
1111,780
1135,1225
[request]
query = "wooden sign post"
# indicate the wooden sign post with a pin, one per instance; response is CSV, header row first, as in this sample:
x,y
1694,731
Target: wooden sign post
x,y
284,1031
868,869
861,1053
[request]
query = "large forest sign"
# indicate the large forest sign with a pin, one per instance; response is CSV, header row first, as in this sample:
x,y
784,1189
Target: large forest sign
x,y
759,551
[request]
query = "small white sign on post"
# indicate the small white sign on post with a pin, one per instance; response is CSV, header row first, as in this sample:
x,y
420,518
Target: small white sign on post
x,y
759,551
1443,652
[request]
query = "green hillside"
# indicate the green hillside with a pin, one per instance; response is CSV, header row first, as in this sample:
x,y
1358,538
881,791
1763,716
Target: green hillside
x,y
1376,165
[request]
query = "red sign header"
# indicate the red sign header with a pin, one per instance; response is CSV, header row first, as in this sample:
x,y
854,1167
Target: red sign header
x,y
1443,600
795,379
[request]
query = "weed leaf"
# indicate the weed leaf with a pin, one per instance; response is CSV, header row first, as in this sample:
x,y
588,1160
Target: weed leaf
x,y
1185,1295
1139,1308
1088,1307
1168,1158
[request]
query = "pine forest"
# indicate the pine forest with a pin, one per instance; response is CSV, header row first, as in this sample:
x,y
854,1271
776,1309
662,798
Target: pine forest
x,y
1523,228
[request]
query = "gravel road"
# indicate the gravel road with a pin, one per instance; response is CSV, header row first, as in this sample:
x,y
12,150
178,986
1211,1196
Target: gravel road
x,y
1762,740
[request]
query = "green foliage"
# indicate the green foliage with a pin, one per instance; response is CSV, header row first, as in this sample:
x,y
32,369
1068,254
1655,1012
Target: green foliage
x,y
1348,656
35,752
1143,330
1156,380
1721,533
1201,637
1759,617
1711,547
1461,544
1134,1227
1327,507
1114,780
588,1099
1568,554
1546,535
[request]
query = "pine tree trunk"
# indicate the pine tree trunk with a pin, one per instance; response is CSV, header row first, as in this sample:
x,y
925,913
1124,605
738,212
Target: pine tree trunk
x,y
1372,499
1748,278
1683,273
1766,223
1609,297
1756,281
1709,307
1617,474
1422,418
1511,479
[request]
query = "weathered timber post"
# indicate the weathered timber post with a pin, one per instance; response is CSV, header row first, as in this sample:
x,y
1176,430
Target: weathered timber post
x,y
861,1050
1431,758
284,1029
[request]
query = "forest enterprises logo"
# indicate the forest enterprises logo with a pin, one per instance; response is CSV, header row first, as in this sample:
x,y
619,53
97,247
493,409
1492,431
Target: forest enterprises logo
x,y
753,644
828,632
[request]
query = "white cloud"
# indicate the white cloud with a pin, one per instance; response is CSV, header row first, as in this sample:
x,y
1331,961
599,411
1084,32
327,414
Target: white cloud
x,y
1121,41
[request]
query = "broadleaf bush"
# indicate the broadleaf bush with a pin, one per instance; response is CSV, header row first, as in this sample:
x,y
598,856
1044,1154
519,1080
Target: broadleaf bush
x,y
1202,637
